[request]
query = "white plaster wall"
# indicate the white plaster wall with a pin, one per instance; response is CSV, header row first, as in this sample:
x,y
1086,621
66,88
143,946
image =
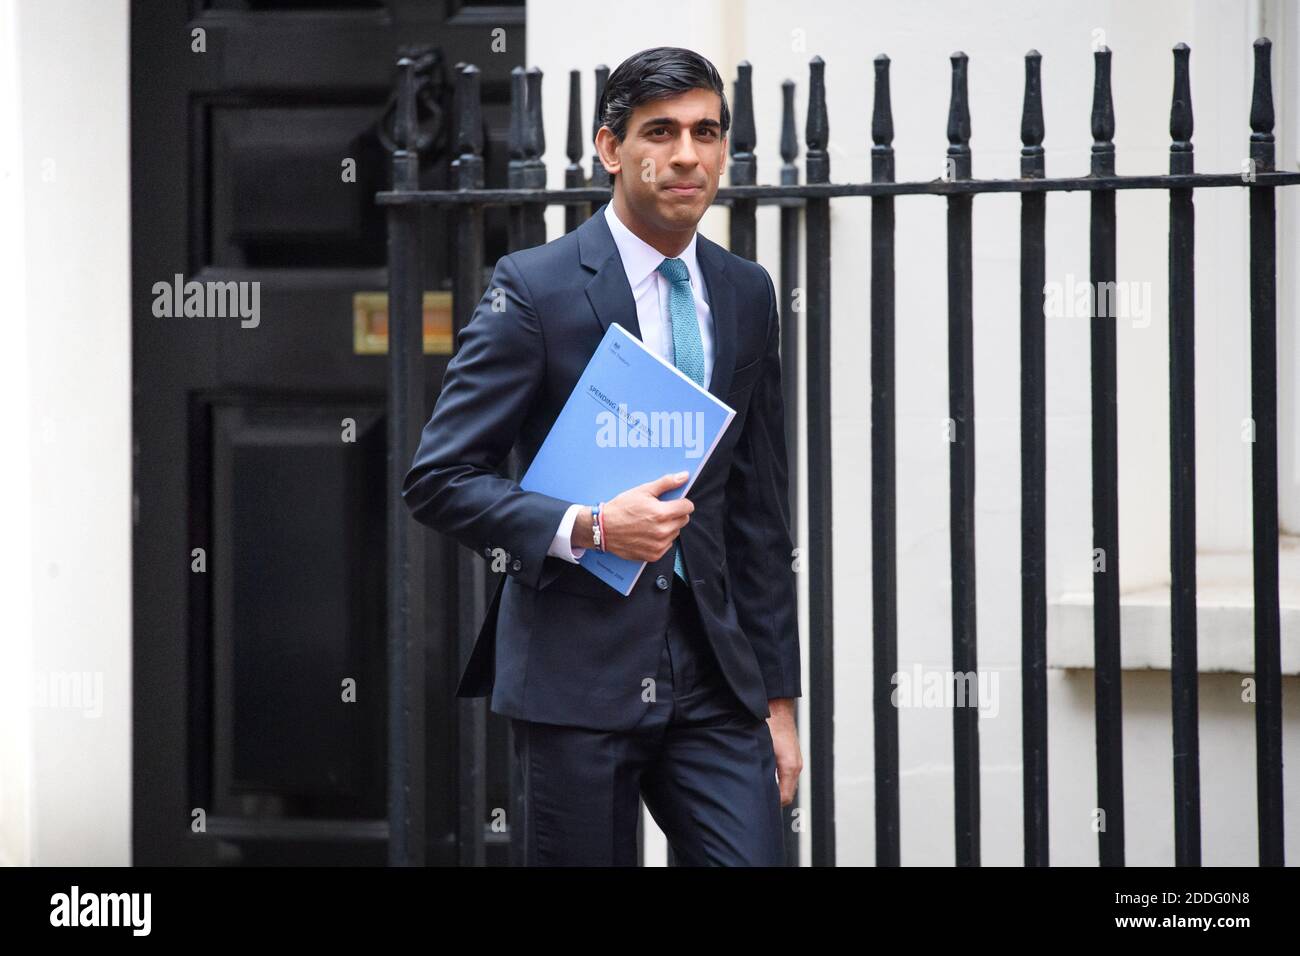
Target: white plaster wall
x,y
65,378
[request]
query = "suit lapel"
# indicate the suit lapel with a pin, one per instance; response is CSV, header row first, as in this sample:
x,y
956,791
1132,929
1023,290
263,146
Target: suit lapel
x,y
611,296
722,306
608,292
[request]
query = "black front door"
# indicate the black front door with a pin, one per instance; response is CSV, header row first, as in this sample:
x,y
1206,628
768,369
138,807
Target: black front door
x,y
259,138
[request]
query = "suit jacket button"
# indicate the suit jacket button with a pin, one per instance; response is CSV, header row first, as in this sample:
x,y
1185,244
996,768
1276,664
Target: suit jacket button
x,y
661,583
517,565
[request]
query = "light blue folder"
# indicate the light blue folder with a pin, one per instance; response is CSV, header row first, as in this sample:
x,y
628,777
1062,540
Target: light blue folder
x,y
631,418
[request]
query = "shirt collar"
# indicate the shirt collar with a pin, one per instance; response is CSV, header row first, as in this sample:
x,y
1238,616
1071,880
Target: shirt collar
x,y
640,258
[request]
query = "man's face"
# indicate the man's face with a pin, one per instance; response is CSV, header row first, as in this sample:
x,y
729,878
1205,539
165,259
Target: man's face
x,y
671,159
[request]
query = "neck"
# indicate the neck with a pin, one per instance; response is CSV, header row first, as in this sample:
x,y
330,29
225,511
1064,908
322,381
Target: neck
x,y
666,243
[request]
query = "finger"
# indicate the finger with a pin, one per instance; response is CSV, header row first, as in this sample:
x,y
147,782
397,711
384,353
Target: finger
x,y
787,788
677,521
665,483
678,507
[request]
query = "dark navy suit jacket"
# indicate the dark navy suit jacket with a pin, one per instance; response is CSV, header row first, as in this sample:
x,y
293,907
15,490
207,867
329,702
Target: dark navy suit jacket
x,y
559,645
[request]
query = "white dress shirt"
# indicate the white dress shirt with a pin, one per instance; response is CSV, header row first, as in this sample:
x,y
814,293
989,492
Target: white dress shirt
x,y
650,289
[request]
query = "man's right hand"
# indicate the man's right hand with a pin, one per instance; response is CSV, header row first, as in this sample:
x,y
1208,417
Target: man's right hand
x,y
637,525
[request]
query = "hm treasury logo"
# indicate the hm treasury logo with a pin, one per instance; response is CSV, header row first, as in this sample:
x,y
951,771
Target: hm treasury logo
x,y
102,909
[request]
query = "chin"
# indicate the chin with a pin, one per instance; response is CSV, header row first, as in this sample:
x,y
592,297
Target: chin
x,y
676,211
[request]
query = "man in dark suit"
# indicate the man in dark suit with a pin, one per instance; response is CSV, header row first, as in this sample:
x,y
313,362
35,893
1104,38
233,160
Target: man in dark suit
x,y
681,693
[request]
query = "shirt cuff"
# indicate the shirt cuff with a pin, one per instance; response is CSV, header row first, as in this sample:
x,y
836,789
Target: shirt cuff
x,y
561,546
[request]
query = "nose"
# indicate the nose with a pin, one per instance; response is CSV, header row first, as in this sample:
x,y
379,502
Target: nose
x,y
685,154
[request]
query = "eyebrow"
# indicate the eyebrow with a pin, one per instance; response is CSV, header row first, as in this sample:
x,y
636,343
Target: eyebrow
x,y
669,121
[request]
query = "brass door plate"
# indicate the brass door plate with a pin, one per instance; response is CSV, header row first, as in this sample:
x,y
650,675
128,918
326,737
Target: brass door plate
x,y
370,323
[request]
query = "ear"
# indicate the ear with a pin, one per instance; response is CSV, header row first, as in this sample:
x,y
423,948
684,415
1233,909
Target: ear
x,y
607,148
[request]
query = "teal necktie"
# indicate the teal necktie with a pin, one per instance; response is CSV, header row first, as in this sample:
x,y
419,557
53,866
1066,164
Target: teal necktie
x,y
688,349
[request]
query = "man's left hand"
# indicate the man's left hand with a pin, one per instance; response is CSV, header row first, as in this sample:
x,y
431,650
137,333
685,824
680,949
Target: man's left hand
x,y
785,744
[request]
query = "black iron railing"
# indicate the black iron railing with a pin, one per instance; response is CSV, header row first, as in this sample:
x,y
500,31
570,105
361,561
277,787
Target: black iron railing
x,y
808,205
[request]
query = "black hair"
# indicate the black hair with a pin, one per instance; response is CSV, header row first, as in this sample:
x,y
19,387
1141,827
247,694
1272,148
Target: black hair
x,y
654,74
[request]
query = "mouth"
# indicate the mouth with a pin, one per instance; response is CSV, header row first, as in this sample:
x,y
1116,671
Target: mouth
x,y
685,189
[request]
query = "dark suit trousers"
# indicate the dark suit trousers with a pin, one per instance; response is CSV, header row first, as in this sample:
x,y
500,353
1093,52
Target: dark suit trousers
x,y
703,764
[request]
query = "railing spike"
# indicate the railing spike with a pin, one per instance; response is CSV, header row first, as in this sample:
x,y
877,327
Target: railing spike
x,y
535,138
1103,115
817,125
882,125
882,113
602,76
468,166
744,165
404,118
1031,119
574,178
1261,107
518,103
599,177
573,138
1180,113
532,170
742,129
959,119
1031,115
789,138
